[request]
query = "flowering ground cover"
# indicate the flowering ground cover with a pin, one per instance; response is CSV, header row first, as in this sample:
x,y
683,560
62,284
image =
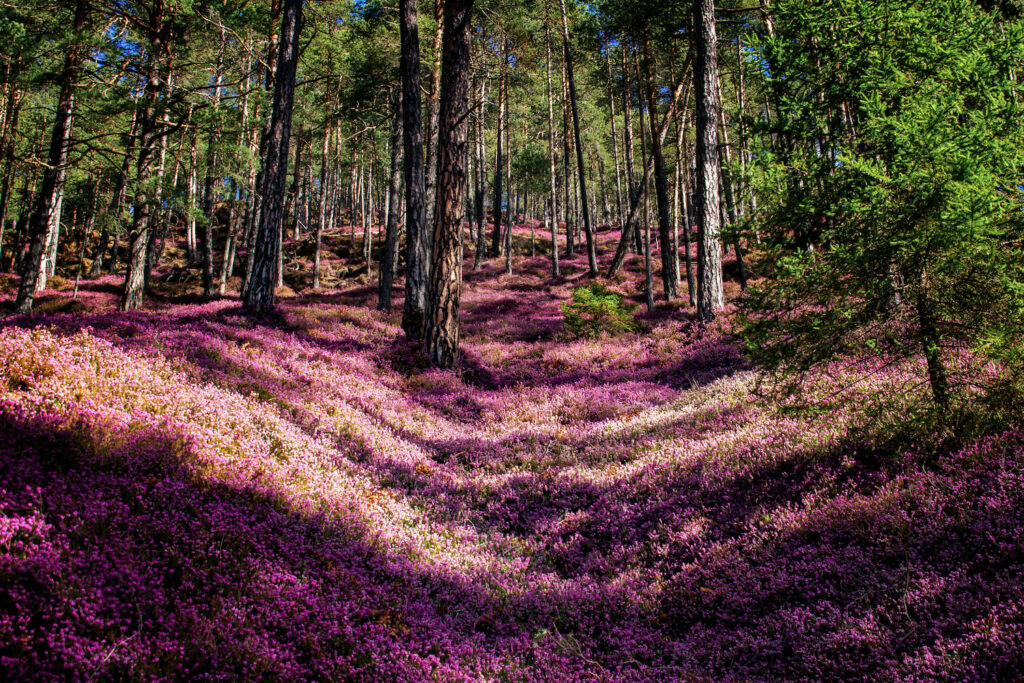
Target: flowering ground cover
x,y
188,494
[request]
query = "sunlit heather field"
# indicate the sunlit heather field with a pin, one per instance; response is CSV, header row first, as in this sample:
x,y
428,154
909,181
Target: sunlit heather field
x,y
186,494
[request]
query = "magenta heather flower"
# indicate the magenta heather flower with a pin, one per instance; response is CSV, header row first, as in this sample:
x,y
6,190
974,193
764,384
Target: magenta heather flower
x,y
187,495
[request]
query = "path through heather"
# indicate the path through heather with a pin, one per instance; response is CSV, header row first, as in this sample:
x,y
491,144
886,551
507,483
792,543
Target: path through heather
x,y
186,495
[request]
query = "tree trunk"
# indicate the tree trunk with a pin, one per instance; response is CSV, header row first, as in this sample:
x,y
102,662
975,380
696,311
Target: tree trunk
x,y
509,195
14,99
389,260
730,202
669,256
87,226
323,214
683,189
584,207
210,182
432,125
648,162
627,230
259,294
143,206
442,320
567,174
710,295
158,226
481,180
51,193
417,255
552,197
496,245
192,201
635,191
615,140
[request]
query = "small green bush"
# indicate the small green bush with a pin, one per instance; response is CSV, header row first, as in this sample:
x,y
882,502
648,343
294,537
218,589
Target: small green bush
x,y
595,309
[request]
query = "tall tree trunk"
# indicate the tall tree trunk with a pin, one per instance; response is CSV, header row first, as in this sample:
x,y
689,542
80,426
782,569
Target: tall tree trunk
x,y
496,245
591,242
509,199
669,256
615,139
112,217
324,213
367,204
417,255
259,294
51,194
730,202
27,202
295,199
432,125
87,226
7,148
481,180
192,199
161,167
683,189
389,261
143,206
228,261
567,174
553,192
710,295
211,180
634,202
442,320
647,161
252,226
627,134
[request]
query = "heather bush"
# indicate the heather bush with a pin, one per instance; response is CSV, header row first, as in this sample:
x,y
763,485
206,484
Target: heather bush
x,y
595,309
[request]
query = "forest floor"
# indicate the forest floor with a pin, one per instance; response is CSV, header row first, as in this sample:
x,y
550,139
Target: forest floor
x,y
186,494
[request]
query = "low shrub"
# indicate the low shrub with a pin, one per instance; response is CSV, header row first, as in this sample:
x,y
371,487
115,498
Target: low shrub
x,y
595,309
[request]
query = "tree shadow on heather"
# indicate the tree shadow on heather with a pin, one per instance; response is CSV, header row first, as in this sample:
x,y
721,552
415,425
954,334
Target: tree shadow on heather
x,y
912,577
149,570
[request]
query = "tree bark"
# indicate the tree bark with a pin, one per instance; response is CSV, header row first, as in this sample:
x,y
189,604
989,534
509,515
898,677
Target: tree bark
x,y
210,182
648,163
52,189
509,195
158,227
417,254
633,235
14,100
669,256
496,210
432,125
710,295
584,207
683,189
627,233
389,260
143,206
553,192
322,215
730,202
615,139
481,180
442,320
259,294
